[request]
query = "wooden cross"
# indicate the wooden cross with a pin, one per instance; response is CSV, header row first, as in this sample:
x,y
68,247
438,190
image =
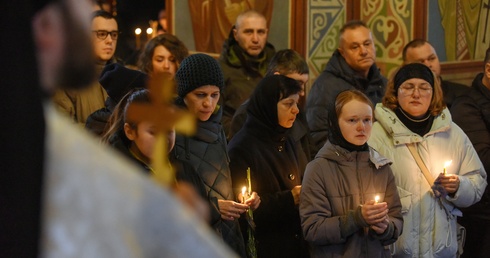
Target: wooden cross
x,y
165,116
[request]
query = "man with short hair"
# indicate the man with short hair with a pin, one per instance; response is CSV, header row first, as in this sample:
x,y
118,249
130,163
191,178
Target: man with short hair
x,y
79,104
421,51
471,112
352,66
244,59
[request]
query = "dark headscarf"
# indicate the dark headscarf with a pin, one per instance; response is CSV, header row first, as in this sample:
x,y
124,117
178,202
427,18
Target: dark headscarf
x,y
263,102
22,133
335,135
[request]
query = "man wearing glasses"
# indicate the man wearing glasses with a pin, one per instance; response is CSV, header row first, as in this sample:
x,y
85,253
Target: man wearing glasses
x,y
79,104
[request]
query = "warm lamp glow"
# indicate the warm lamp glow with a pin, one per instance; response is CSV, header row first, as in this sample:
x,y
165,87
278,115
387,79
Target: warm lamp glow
x,y
137,31
149,31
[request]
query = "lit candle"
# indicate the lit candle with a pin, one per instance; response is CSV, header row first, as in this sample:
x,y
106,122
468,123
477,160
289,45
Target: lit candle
x,y
376,199
137,31
244,190
249,180
446,164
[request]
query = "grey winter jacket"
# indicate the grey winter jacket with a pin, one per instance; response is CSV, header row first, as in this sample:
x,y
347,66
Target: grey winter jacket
x,y
336,183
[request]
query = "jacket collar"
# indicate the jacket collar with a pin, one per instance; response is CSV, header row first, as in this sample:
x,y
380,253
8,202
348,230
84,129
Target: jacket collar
x,y
400,133
336,153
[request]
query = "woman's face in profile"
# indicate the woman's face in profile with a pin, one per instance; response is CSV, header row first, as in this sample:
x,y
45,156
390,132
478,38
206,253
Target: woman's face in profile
x,y
356,121
287,109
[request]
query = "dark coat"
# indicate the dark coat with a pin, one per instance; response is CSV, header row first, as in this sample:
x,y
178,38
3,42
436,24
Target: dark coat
x,y
338,77
97,122
472,113
206,152
451,91
275,169
242,74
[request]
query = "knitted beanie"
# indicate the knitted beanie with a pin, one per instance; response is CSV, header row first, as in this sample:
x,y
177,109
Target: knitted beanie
x,y
198,70
118,80
413,70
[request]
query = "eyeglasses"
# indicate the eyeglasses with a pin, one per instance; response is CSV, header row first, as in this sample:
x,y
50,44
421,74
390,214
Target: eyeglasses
x,y
408,90
102,34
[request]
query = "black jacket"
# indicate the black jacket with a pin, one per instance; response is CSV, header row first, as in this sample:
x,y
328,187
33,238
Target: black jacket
x,y
338,77
451,91
206,152
471,112
272,155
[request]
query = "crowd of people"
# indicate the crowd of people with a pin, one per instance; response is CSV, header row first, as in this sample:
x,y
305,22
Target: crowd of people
x,y
365,166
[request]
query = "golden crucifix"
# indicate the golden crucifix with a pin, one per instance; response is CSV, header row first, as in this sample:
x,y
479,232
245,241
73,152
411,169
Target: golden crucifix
x,y
165,116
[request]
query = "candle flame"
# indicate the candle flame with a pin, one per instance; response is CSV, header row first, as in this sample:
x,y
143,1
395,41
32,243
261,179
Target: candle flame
x,y
244,190
137,31
447,163
376,198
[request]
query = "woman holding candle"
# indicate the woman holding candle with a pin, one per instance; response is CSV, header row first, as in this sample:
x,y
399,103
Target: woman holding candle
x,y
264,145
414,124
349,201
199,83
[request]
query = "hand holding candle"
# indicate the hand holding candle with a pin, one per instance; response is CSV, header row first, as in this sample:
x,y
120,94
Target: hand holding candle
x,y
446,164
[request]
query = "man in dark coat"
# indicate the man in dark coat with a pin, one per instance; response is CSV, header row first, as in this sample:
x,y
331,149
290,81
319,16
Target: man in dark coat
x,y
472,113
352,66
244,60
421,51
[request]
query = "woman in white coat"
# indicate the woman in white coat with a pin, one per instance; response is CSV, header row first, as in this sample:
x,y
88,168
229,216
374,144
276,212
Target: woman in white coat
x,y
413,113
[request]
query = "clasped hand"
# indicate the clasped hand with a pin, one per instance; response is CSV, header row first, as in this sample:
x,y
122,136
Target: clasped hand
x,y
376,215
231,210
445,184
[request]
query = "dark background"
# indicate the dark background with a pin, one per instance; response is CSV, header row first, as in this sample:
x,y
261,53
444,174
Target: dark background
x,y
132,14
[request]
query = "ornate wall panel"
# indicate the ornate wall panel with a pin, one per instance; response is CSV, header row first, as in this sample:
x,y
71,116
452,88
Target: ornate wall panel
x,y
392,26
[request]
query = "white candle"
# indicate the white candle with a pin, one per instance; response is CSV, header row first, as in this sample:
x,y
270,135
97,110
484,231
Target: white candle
x,y
446,164
244,190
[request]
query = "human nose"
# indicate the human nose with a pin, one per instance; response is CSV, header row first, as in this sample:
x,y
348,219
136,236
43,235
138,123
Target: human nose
x,y
207,102
255,37
363,50
295,109
360,125
166,64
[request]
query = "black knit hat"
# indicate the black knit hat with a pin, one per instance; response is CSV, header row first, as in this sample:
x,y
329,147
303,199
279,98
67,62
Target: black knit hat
x,y
118,80
414,70
198,70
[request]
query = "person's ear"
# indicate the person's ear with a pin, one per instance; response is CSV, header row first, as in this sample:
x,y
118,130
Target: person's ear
x,y
235,33
130,132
